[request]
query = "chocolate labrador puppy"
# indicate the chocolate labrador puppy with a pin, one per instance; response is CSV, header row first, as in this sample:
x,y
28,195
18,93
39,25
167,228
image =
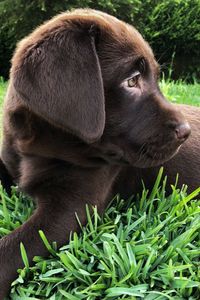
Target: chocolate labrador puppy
x,y
82,104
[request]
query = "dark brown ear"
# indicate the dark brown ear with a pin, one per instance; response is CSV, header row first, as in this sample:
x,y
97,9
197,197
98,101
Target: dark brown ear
x,y
60,80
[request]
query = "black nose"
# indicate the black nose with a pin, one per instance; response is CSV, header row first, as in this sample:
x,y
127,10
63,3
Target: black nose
x,y
182,131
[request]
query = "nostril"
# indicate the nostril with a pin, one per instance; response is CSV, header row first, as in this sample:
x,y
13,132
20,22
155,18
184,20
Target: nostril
x,y
182,131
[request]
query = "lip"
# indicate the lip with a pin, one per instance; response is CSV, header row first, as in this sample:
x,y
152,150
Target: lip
x,y
164,156
152,158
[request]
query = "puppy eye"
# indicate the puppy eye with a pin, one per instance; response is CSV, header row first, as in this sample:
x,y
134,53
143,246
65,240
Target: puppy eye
x,y
133,81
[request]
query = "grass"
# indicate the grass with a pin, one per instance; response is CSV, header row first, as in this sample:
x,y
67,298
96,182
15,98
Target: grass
x,y
180,92
143,249
3,86
146,247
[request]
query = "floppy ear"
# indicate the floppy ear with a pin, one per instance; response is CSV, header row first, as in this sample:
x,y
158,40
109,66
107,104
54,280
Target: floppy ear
x,y
60,80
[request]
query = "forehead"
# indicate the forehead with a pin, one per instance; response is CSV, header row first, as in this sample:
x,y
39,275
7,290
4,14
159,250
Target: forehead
x,y
120,44
121,34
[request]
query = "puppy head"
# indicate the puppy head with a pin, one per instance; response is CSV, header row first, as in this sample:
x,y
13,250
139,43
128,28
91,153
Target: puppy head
x,y
95,77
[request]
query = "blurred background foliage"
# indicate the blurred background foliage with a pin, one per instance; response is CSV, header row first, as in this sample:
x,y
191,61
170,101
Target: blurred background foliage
x,y
172,27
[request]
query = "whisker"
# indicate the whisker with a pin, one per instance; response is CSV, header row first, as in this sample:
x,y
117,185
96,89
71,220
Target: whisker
x,y
141,152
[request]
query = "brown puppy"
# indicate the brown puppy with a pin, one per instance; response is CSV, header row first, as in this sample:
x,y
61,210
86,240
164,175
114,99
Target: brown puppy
x,y
82,102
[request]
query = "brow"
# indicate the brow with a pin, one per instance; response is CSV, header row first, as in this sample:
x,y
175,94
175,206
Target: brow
x,y
137,62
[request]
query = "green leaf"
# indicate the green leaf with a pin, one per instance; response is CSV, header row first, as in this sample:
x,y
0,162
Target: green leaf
x,y
24,255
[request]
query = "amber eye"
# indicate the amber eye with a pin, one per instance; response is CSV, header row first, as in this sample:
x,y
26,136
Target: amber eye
x,y
133,81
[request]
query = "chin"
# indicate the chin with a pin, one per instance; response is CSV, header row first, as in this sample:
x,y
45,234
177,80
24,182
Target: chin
x,y
151,160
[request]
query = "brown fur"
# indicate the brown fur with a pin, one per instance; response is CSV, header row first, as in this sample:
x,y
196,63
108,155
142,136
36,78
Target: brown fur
x,y
185,163
74,131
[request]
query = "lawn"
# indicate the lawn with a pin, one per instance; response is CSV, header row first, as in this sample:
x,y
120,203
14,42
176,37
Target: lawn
x,y
3,87
146,247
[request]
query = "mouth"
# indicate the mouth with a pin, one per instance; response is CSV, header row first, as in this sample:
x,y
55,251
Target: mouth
x,y
150,155
159,158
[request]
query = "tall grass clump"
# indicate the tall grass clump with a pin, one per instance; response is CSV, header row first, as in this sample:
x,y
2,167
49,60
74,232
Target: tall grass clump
x,y
146,247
